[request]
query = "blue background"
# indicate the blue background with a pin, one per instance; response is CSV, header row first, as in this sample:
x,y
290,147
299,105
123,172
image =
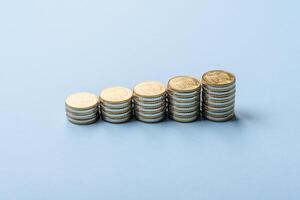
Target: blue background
x,y
50,49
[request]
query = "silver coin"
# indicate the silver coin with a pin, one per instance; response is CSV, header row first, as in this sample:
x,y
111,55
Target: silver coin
x,y
83,122
115,110
184,120
220,109
184,94
206,97
150,120
146,115
82,112
82,117
184,100
218,89
180,104
117,116
183,109
150,105
218,104
116,105
149,110
185,114
148,99
219,94
117,121
219,119
218,114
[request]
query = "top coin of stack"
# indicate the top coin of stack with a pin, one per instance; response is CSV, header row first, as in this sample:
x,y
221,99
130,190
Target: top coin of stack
x,y
150,101
82,108
116,104
184,98
218,95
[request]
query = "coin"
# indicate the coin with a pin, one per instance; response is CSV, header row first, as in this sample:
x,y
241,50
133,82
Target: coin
x,y
82,112
184,119
117,120
150,120
116,115
115,110
149,110
82,101
183,84
82,117
116,95
149,89
83,122
150,115
219,119
117,105
218,78
183,94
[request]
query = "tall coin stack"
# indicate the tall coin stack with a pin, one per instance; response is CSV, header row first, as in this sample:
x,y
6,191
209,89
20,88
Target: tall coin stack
x,y
150,101
218,95
82,108
116,104
184,98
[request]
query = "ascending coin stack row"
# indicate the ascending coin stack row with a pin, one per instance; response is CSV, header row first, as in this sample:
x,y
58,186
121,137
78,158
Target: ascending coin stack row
x,y
184,98
116,104
218,95
82,108
150,101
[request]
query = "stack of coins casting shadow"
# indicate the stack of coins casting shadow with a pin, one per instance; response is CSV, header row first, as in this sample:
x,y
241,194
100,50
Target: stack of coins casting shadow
x,y
218,95
116,104
150,101
82,108
184,98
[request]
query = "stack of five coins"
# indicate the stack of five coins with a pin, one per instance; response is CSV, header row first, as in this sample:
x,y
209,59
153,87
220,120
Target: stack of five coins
x,y
184,98
150,101
82,108
218,95
116,104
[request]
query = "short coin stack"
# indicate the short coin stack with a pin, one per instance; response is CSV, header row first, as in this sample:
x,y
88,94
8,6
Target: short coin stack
x,y
184,98
218,95
116,104
150,101
82,108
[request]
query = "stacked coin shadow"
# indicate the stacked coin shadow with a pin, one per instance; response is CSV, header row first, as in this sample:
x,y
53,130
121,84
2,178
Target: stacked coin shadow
x,y
184,99
82,108
218,99
150,102
114,107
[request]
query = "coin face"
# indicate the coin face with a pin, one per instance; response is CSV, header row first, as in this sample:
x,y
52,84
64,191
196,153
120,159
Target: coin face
x,y
183,84
81,101
116,95
218,78
149,89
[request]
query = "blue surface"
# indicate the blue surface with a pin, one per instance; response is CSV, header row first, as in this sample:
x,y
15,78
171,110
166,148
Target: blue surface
x,y
50,49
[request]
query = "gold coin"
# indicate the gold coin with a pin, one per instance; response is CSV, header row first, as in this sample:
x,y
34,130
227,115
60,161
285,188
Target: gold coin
x,y
218,78
116,95
149,89
82,101
183,84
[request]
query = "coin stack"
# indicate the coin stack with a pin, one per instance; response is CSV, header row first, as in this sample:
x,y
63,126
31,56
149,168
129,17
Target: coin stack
x,y
218,95
184,98
116,104
82,108
150,101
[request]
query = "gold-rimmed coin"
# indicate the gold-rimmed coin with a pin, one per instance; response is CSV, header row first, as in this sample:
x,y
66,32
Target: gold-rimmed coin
x,y
218,78
82,101
149,89
116,95
184,84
